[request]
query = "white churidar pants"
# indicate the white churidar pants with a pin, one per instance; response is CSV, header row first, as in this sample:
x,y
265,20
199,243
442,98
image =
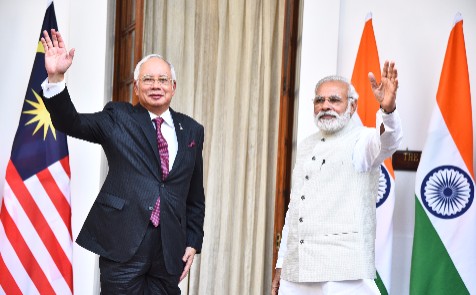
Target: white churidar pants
x,y
355,287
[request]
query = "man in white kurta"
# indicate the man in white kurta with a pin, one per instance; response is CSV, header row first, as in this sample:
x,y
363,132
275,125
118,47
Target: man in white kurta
x,y
328,244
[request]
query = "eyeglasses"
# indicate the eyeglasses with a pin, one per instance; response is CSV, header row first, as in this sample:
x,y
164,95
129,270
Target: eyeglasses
x,y
162,80
333,100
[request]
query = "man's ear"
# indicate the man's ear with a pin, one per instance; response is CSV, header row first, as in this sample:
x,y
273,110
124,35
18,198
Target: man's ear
x,y
353,107
174,86
136,87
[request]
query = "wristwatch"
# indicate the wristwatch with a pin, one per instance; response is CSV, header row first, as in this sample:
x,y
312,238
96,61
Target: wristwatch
x,y
387,113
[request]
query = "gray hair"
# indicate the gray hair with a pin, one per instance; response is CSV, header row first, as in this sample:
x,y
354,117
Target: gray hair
x,y
352,94
142,61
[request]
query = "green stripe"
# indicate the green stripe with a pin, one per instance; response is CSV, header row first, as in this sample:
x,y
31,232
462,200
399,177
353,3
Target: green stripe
x,y
380,285
433,271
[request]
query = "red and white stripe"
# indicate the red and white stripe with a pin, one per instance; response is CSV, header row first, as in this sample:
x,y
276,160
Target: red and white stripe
x,y
35,232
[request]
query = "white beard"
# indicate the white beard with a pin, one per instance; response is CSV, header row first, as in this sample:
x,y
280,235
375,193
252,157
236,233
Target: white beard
x,y
335,124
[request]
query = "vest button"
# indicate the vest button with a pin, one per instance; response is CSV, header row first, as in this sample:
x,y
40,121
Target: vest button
x,y
151,208
313,158
323,139
300,219
303,197
307,177
301,241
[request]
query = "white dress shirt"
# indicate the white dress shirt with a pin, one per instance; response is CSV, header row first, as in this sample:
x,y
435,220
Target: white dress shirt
x,y
168,131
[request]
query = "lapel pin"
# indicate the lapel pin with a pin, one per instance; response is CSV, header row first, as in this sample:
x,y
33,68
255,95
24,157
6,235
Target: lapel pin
x,y
180,125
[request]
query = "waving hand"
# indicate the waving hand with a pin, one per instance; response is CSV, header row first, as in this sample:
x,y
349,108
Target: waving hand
x,y
57,57
386,91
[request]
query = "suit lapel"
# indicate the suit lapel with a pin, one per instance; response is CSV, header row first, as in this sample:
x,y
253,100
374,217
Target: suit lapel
x,y
141,115
181,137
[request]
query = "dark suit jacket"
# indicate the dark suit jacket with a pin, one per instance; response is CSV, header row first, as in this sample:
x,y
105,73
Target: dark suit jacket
x,y
119,217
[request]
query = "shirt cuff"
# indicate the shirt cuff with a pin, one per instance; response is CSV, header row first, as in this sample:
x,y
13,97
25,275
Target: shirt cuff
x,y
52,89
390,121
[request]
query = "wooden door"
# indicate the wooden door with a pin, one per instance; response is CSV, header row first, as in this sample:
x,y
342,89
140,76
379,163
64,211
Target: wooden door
x,y
127,48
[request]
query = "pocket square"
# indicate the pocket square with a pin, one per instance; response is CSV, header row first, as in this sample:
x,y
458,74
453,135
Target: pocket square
x,y
191,144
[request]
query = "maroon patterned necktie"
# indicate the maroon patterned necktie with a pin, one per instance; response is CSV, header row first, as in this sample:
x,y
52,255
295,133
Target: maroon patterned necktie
x,y
164,165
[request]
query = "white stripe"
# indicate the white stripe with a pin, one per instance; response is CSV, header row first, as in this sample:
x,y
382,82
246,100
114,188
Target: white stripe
x,y
384,237
54,220
35,244
14,265
460,248
62,180
439,149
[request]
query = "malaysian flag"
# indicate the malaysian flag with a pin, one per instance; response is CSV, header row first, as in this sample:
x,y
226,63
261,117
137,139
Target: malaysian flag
x,y
35,214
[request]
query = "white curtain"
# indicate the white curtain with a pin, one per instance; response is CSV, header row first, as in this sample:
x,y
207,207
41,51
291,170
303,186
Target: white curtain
x,y
227,55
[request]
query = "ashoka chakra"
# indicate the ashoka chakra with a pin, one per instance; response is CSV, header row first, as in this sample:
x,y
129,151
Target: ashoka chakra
x,y
447,192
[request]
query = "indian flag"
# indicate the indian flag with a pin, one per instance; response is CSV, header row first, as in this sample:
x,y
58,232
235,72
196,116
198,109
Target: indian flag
x,y
444,244
367,60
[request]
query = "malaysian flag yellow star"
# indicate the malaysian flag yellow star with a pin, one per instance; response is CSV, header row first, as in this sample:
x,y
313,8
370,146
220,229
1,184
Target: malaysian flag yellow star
x,y
41,116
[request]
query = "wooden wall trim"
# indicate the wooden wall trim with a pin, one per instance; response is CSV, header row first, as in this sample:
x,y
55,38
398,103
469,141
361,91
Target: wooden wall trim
x,y
139,37
286,119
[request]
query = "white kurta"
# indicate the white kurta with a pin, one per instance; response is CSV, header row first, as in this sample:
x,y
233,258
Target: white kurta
x,y
329,230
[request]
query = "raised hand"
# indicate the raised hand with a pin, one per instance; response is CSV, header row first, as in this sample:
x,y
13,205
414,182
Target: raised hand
x,y
386,91
57,58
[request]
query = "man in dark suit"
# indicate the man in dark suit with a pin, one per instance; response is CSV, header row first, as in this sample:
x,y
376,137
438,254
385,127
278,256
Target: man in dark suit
x,y
147,220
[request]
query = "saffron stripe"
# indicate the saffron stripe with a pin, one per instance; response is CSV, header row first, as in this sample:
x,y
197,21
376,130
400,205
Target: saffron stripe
x,y
41,226
454,82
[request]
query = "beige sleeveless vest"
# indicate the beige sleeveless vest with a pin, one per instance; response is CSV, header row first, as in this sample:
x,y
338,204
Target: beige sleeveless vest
x,y
331,214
